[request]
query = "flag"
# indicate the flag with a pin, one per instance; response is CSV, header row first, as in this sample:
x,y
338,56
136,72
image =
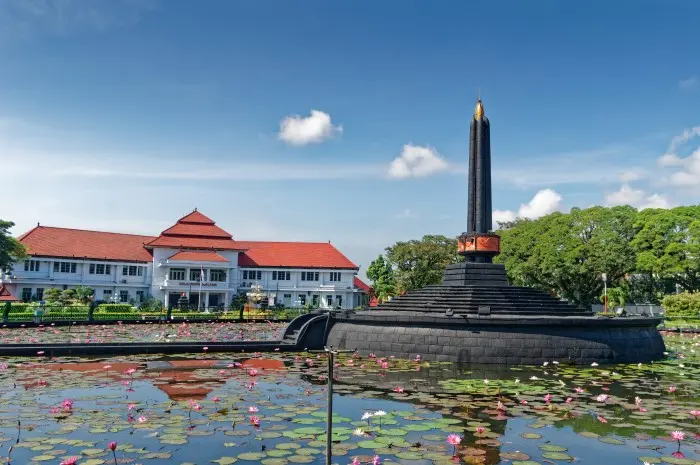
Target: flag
x,y
201,273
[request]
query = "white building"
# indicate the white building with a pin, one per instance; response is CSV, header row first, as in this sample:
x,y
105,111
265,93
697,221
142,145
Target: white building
x,y
126,267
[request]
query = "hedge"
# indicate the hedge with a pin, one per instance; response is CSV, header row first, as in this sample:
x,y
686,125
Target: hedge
x,y
684,305
114,308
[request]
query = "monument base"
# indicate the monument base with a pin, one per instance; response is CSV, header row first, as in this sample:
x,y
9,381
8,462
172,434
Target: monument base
x,y
512,340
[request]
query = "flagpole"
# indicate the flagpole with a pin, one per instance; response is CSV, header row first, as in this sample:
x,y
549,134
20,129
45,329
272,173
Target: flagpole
x,y
201,280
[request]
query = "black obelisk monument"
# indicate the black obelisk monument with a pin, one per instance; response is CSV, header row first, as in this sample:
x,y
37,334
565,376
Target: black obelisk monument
x,y
479,244
479,199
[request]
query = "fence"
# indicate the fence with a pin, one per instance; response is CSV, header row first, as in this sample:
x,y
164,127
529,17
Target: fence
x,y
645,309
29,313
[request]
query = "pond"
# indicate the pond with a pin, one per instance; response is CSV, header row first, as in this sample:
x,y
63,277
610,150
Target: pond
x,y
144,332
270,409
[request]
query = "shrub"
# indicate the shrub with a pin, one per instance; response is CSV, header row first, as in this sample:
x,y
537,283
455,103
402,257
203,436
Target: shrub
x,y
684,305
114,308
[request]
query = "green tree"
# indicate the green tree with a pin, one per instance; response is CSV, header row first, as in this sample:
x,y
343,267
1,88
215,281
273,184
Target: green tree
x,y
419,263
667,244
566,253
383,279
52,295
83,294
11,250
67,297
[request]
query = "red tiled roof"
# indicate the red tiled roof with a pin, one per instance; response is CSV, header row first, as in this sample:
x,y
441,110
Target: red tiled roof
x,y
195,231
197,256
293,255
196,218
6,295
46,241
195,243
360,284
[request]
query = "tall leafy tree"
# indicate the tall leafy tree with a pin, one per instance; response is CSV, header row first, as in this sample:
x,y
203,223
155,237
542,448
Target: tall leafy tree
x,y
418,263
382,276
11,249
566,253
667,243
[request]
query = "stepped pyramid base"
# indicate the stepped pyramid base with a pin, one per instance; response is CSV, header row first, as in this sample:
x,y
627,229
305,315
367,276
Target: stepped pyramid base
x,y
474,316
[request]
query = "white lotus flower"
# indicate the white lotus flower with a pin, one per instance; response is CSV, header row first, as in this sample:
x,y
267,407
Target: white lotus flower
x,y
367,415
379,413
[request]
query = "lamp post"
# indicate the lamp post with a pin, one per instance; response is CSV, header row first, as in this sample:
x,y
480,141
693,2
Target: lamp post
x,y
331,353
604,277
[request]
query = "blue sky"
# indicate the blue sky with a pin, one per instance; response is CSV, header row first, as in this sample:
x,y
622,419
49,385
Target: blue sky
x,y
124,114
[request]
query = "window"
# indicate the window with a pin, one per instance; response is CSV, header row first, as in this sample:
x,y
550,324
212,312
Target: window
x,y
335,276
302,300
26,294
64,267
288,296
99,268
252,274
280,275
329,300
218,276
339,301
139,296
31,265
309,275
132,270
177,274
314,301
124,296
195,275
107,294
39,293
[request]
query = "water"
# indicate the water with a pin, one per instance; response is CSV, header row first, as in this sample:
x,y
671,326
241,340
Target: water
x,y
195,410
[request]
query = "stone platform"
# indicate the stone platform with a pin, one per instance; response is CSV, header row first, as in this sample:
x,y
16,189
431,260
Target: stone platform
x,y
474,316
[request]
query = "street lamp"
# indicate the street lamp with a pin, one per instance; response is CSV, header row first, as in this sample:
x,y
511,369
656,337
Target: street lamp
x,y
604,277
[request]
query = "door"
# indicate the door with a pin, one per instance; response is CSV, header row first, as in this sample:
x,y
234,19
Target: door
x,y
287,300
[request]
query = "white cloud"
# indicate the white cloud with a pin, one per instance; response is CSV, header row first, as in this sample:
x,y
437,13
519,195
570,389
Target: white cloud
x,y
544,202
20,19
416,161
627,195
688,173
303,130
632,175
689,83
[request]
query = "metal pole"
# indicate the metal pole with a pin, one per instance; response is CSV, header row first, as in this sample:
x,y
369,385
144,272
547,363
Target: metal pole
x,y
329,414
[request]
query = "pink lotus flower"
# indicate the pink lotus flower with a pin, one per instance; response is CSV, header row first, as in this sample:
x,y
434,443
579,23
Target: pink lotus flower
x,y
107,367
255,421
132,406
143,419
547,398
480,430
130,371
672,389
695,413
112,446
70,461
454,440
252,409
569,400
398,389
41,352
602,398
500,406
205,349
252,372
385,365
376,460
215,399
601,419
677,436
578,390
355,461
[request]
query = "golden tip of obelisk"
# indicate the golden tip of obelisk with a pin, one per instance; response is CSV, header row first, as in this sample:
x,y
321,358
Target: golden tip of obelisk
x,y
479,110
